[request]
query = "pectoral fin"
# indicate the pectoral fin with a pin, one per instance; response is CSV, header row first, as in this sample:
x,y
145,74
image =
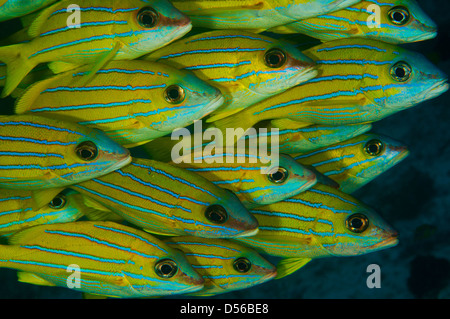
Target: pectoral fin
x,y
33,279
289,265
37,21
60,67
43,197
101,63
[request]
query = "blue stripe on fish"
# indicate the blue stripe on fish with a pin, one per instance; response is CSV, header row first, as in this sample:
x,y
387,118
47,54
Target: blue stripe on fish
x,y
164,190
230,37
85,24
201,244
51,128
120,231
217,65
101,242
101,9
30,154
176,179
211,51
104,87
74,254
31,140
151,199
87,106
352,46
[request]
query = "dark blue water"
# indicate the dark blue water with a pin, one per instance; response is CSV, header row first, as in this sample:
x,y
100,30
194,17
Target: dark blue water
x,y
414,197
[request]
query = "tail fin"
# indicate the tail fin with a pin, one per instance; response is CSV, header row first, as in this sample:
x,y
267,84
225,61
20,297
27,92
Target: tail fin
x,y
17,67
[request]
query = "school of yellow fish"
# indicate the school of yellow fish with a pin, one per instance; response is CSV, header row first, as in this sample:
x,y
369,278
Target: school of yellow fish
x,y
113,177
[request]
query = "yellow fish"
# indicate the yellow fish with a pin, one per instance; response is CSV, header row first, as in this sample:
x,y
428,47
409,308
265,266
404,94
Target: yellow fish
x,y
19,210
254,14
246,67
320,222
255,179
360,81
224,265
109,259
168,200
356,161
118,30
133,102
10,9
38,152
393,21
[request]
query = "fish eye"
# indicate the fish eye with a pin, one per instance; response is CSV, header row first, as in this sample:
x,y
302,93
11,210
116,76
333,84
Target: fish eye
x,y
87,151
280,176
399,15
401,71
374,147
147,17
174,94
58,202
357,223
274,58
166,268
216,214
242,265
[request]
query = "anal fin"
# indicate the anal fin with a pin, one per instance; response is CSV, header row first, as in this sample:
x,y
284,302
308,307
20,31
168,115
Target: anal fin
x,y
288,266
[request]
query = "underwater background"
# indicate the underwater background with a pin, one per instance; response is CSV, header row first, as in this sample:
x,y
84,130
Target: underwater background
x,y
414,197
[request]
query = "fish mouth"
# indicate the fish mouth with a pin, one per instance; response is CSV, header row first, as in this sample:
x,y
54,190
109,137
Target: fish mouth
x,y
249,233
436,90
119,163
193,287
402,153
431,34
311,181
181,26
308,74
269,275
213,105
390,241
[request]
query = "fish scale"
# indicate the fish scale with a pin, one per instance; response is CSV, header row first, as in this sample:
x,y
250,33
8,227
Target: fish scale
x,y
108,30
313,224
309,138
353,21
125,99
242,173
37,152
113,260
350,164
20,211
214,260
354,86
168,200
349,85
290,141
254,14
234,62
